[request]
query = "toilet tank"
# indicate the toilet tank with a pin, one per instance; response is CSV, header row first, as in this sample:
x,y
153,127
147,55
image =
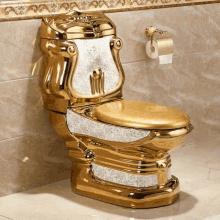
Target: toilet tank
x,y
81,64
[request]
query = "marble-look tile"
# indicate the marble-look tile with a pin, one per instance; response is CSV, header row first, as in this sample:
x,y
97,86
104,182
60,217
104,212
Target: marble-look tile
x,y
130,28
56,201
32,161
202,153
188,36
21,55
189,84
189,77
214,175
137,83
208,203
198,205
22,109
4,218
192,177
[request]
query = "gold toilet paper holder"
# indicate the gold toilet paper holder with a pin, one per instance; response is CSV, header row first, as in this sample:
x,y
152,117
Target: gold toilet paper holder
x,y
160,44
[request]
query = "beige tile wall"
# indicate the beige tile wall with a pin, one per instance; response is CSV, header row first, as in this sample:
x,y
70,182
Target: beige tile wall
x,y
31,154
191,83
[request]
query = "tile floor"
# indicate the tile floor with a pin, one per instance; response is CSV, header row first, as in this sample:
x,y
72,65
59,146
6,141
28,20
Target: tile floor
x,y
199,199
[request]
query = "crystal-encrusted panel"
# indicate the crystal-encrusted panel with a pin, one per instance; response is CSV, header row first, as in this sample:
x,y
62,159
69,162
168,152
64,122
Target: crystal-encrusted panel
x,y
94,53
123,178
169,174
82,125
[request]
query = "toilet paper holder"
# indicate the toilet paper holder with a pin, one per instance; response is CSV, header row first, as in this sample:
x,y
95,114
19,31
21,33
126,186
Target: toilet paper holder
x,y
160,44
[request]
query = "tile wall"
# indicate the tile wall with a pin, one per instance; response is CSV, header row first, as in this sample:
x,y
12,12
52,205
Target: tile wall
x,y
31,154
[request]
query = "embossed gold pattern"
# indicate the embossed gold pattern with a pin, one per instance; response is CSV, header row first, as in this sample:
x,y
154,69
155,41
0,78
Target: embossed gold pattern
x,y
97,81
166,128
27,9
58,60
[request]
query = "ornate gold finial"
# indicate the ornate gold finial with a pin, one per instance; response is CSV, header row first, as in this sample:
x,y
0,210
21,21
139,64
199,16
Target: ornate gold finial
x,y
97,81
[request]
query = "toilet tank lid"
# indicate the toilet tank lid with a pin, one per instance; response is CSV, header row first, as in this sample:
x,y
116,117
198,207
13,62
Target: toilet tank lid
x,y
77,25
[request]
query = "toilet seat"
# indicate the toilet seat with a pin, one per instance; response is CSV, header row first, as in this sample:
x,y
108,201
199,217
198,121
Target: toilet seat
x,y
142,115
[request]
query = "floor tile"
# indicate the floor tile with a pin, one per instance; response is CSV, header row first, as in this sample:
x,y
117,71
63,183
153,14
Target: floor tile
x,y
214,175
191,177
199,199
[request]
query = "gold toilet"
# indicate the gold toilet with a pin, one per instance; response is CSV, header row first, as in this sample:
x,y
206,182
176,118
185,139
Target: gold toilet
x,y
119,148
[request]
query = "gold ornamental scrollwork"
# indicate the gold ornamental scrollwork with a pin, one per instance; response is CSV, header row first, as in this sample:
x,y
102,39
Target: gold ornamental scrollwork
x,y
33,9
14,10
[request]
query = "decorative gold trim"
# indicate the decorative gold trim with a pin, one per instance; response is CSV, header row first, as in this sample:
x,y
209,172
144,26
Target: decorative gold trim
x,y
97,81
22,10
61,56
139,160
142,157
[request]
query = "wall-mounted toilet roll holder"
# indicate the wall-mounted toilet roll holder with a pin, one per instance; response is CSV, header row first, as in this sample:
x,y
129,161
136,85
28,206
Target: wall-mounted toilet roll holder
x,y
159,45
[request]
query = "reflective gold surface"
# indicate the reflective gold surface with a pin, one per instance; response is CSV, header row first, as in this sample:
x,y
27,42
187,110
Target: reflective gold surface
x,y
145,159
62,55
76,25
141,115
163,39
168,127
97,81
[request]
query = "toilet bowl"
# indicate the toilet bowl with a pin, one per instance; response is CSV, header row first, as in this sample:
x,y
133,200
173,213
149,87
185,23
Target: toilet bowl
x,y
119,148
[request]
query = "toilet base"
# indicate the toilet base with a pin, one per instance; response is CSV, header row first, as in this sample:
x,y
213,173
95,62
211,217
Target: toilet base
x,y
147,158
84,184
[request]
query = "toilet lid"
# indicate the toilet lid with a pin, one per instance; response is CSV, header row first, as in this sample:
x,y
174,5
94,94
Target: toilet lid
x,y
143,115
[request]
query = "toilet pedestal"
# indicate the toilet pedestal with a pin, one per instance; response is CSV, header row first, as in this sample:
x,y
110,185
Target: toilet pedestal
x,y
111,173
119,148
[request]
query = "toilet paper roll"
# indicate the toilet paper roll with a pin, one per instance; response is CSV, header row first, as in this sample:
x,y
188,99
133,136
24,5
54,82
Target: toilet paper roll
x,y
160,50
152,50
166,59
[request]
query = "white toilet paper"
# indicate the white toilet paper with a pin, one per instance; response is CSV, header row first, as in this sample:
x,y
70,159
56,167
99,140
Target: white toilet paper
x,y
154,52
166,59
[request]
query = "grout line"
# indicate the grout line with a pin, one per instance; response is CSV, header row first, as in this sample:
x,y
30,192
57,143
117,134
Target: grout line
x,y
26,135
194,164
6,217
213,169
209,174
178,55
124,63
18,79
138,61
14,137
202,187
